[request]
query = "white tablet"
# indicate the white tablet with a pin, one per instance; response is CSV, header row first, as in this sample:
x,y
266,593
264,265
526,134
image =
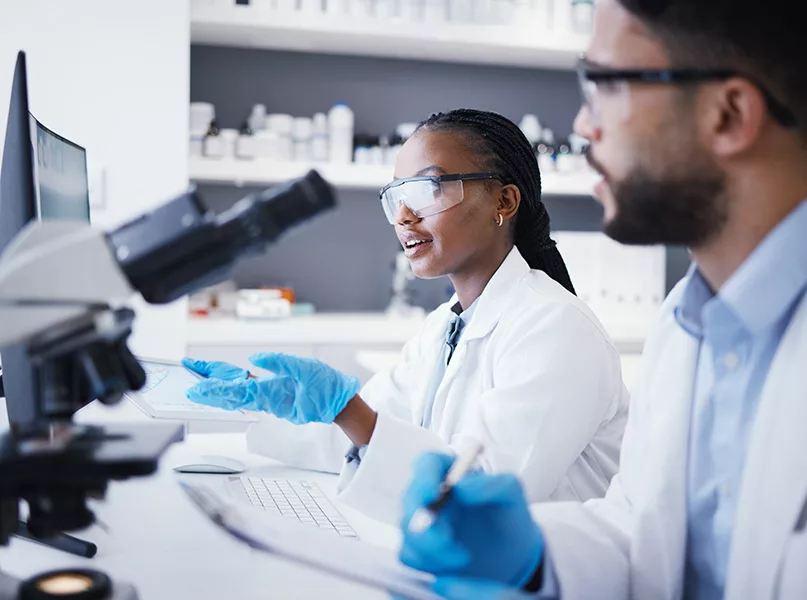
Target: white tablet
x,y
163,396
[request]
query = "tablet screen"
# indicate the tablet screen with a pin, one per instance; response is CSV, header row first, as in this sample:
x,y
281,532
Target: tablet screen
x,y
166,383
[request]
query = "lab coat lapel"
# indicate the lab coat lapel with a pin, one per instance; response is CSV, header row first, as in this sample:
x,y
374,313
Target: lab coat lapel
x,y
660,547
497,296
774,486
494,300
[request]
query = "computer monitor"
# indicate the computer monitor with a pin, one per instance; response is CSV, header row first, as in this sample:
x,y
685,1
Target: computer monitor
x,y
60,176
57,189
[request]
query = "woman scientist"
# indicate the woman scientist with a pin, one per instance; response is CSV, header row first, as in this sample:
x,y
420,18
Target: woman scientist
x,y
515,360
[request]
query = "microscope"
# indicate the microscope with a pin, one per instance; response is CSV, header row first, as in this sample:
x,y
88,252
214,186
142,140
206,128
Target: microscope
x,y
63,293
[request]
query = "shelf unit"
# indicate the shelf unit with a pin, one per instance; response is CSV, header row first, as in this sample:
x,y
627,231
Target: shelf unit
x,y
252,27
349,176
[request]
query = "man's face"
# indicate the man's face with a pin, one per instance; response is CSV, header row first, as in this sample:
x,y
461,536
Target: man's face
x,y
660,185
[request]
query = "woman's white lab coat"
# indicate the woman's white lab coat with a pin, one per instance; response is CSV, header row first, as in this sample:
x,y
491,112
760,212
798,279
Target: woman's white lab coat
x,y
632,543
534,378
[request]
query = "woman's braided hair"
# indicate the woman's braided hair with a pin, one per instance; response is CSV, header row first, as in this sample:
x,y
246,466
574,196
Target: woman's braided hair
x,y
504,150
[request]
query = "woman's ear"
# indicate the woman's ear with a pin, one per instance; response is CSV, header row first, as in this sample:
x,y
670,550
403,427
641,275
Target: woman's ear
x,y
509,201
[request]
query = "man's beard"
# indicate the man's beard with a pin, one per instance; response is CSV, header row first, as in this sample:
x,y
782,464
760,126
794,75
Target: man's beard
x,y
687,208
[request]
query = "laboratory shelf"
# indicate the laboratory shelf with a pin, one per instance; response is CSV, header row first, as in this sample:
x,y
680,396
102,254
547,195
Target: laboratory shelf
x,y
350,176
251,27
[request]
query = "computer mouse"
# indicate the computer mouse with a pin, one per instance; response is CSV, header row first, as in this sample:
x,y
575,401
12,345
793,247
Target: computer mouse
x,y
212,464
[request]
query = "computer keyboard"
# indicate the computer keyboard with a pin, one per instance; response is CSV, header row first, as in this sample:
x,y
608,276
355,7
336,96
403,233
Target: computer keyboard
x,y
295,499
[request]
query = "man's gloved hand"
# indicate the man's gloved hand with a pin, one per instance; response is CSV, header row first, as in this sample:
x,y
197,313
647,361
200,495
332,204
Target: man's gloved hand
x,y
215,369
484,531
302,390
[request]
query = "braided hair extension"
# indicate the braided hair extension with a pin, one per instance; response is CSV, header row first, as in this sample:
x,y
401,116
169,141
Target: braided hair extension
x,y
504,149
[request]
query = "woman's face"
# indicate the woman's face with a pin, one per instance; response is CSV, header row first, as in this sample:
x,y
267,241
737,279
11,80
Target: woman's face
x,y
457,239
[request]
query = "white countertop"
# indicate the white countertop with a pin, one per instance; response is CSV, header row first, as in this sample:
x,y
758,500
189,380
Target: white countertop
x,y
323,328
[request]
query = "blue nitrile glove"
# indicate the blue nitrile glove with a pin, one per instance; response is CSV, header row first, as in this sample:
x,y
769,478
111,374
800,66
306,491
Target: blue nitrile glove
x,y
303,390
484,531
215,369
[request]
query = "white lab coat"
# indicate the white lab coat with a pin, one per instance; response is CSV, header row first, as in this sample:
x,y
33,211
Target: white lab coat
x,y
632,543
534,378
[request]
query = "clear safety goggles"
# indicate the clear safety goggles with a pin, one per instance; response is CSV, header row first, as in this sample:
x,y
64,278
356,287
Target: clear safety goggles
x,y
605,90
427,196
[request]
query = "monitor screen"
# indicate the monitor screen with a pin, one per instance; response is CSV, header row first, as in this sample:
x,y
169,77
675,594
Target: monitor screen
x,y
60,176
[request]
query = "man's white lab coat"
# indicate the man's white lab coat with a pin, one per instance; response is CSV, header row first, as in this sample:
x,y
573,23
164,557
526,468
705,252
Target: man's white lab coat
x,y
632,543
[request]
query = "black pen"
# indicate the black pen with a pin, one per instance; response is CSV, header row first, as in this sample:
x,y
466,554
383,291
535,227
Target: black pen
x,y
424,516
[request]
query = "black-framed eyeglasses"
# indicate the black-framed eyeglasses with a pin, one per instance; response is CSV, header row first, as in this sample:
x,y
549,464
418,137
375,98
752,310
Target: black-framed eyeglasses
x,y
428,195
589,73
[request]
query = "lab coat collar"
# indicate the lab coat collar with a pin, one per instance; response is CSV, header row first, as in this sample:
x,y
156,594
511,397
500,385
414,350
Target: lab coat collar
x,y
763,289
496,296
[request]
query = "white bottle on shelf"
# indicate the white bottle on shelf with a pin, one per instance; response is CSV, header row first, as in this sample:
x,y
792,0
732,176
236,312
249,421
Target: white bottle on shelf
x,y
213,146
376,155
245,144
340,130
361,155
531,128
267,144
283,126
229,138
257,118
303,130
319,138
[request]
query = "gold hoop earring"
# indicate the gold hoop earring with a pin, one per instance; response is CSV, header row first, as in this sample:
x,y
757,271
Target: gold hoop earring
x,y
500,220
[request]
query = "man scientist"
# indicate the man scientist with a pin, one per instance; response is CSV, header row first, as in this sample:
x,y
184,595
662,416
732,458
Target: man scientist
x,y
696,112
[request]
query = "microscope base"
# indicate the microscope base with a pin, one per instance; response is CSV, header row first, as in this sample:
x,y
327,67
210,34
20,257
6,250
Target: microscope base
x,y
9,589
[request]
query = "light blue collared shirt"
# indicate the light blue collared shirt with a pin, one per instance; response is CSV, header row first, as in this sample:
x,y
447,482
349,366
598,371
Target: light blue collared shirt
x,y
739,331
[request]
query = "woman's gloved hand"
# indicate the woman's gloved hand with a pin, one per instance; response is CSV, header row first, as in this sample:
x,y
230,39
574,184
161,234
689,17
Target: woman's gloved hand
x,y
215,369
484,531
301,390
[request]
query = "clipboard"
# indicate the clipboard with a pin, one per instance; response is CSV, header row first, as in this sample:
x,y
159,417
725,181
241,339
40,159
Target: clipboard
x,y
321,550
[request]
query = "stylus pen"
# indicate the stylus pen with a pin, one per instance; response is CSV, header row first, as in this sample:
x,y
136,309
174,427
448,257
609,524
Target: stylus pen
x,y
425,516
60,541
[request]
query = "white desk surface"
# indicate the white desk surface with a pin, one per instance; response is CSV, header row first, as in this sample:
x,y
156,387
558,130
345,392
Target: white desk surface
x,y
162,544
